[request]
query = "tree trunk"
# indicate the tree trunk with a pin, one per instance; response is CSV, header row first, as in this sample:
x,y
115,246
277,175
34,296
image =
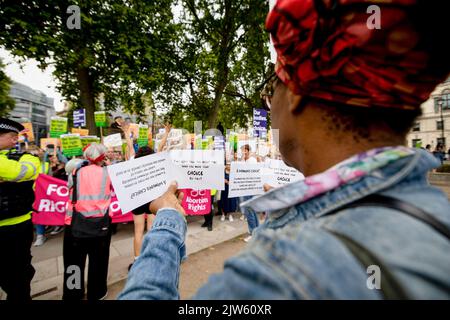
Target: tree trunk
x,y
216,105
224,54
87,97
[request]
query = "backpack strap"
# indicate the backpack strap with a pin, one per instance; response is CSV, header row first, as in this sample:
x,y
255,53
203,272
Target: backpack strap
x,y
378,200
390,287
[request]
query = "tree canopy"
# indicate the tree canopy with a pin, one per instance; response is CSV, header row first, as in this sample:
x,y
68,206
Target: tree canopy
x,y
6,102
194,59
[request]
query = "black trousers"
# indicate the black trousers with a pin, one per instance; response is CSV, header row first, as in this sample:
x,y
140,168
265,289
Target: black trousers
x,y
209,217
75,251
16,270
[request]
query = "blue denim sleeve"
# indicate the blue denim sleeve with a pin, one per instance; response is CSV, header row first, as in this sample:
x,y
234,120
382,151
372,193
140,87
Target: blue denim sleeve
x,y
155,274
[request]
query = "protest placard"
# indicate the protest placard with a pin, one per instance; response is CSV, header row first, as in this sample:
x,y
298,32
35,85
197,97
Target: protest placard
x,y
50,204
81,132
113,140
89,139
47,141
141,180
79,118
58,126
27,134
143,136
71,145
245,179
196,202
198,169
279,174
100,118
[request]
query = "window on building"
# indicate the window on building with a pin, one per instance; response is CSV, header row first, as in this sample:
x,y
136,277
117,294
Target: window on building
x,y
445,99
439,125
440,141
416,143
416,126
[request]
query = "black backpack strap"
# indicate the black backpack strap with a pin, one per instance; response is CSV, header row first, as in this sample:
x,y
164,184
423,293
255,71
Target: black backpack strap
x,y
378,200
74,186
390,287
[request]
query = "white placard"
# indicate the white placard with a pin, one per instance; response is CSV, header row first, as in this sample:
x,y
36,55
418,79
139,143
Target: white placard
x,y
198,169
113,140
278,174
141,180
245,179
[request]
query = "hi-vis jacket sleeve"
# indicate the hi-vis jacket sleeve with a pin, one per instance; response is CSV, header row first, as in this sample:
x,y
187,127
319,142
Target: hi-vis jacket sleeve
x,y
27,168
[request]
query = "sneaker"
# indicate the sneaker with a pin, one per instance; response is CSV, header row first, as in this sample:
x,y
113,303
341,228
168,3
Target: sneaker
x,y
204,225
248,239
230,217
57,230
104,297
209,228
222,218
39,241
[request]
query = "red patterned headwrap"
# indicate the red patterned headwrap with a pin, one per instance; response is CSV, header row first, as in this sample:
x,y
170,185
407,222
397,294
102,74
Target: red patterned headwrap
x,y
327,52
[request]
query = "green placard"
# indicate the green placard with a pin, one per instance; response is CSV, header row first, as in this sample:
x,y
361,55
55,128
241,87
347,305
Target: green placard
x,y
100,118
89,139
143,136
58,126
71,145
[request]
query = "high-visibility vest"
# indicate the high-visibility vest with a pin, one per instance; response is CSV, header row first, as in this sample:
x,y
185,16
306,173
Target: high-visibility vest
x,y
17,172
93,193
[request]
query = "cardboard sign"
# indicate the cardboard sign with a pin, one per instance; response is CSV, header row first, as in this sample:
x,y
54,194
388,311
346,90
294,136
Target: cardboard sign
x,y
50,204
58,126
100,118
81,132
54,141
79,118
143,136
71,145
278,174
27,134
141,180
113,140
196,202
198,169
89,139
245,179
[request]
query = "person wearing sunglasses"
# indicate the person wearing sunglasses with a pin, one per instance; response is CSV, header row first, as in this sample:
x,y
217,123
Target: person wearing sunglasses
x,y
364,223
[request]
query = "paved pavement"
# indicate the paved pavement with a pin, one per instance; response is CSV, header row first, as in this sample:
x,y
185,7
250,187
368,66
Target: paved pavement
x,y
48,261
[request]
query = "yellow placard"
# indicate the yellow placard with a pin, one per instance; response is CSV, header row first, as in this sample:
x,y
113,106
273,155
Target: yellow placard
x,y
27,132
81,132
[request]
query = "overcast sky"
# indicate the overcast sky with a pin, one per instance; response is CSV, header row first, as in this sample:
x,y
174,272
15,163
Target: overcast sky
x,y
32,76
37,79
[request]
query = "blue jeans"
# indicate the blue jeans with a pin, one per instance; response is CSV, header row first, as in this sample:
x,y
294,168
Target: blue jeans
x,y
251,215
40,229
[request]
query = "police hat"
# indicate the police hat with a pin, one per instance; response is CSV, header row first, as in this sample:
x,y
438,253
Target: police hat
x,y
7,125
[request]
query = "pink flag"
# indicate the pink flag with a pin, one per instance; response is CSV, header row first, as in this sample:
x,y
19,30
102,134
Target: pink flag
x,y
51,196
196,202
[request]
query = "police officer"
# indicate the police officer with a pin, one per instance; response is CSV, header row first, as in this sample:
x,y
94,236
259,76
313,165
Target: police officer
x,y
17,174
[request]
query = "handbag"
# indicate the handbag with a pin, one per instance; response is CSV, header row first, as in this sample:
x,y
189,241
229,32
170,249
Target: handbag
x,y
83,227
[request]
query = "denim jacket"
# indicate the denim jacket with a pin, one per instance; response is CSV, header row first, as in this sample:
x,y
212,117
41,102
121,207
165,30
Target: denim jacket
x,y
294,254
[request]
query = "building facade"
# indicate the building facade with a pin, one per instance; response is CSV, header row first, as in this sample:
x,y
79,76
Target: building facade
x,y
32,106
433,126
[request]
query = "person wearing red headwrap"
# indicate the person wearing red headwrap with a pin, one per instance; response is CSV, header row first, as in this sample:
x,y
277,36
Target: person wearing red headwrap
x,y
364,223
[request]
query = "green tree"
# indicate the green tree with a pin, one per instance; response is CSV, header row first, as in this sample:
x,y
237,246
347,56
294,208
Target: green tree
x,y
121,49
6,102
222,59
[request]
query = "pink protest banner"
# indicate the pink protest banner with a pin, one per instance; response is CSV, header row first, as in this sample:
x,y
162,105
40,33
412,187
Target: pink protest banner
x,y
196,202
51,196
